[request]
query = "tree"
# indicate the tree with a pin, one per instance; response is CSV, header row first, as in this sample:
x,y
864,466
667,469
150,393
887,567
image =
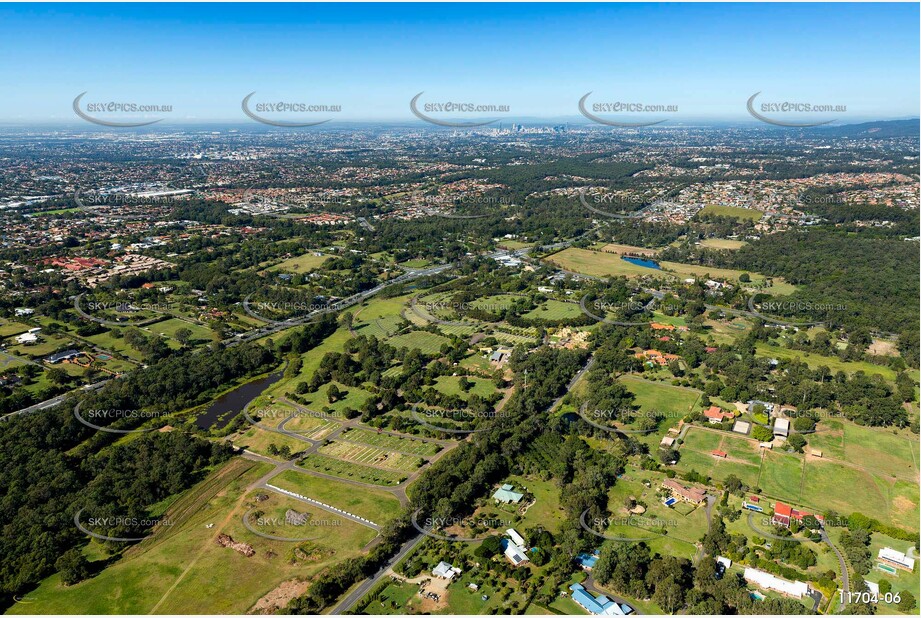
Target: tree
x,y
57,376
183,336
762,434
332,393
73,567
908,602
796,442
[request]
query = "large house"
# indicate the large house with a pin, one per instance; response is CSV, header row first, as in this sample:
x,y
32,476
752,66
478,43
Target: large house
x,y
600,605
715,414
784,513
506,495
767,581
889,556
688,494
445,570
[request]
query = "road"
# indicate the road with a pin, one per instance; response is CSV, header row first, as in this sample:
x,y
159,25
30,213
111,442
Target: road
x,y
50,403
845,576
362,589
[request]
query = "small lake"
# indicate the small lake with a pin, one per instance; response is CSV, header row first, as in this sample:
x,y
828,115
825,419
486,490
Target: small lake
x,y
231,403
641,262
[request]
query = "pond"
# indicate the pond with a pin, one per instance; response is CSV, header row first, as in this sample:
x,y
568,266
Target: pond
x,y
231,403
641,262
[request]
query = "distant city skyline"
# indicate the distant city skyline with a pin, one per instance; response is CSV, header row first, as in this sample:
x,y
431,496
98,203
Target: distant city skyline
x,y
700,62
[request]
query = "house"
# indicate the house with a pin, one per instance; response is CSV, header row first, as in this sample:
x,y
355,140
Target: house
x,y
889,556
505,495
27,338
784,513
659,358
517,539
688,494
720,454
587,561
23,311
767,581
768,407
62,356
667,441
781,427
516,554
742,427
445,570
715,414
599,606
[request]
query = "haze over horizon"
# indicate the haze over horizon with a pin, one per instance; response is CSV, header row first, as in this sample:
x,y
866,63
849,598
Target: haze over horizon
x,y
538,60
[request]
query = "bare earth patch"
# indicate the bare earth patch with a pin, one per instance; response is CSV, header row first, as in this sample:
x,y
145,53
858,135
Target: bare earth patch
x,y
880,347
279,597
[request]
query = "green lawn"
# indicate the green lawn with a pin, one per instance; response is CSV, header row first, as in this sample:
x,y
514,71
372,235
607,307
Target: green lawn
x,y
554,310
426,342
301,263
815,360
731,211
450,385
375,505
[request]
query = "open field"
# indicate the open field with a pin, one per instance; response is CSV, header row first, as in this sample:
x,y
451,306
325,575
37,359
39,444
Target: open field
x,y
380,317
258,441
554,310
354,398
182,570
385,441
672,402
731,211
450,385
620,249
598,264
832,362
9,328
333,343
375,505
355,472
722,243
301,263
169,327
425,342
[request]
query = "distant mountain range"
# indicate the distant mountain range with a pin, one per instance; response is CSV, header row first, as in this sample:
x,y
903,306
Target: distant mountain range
x,y
880,129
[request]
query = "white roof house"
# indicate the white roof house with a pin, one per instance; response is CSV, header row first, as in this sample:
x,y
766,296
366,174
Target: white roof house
x,y
726,562
27,338
445,570
516,554
516,538
896,558
763,579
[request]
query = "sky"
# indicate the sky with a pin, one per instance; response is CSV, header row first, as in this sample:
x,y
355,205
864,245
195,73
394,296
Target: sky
x,y
537,59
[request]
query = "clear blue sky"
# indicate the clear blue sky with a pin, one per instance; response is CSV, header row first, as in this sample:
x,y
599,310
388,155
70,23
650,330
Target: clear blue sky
x,y
537,58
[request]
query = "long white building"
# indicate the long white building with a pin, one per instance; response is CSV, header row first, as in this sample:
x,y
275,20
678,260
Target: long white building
x,y
766,580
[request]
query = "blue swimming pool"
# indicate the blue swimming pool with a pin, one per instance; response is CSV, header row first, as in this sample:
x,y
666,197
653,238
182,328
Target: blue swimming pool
x,y
641,262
